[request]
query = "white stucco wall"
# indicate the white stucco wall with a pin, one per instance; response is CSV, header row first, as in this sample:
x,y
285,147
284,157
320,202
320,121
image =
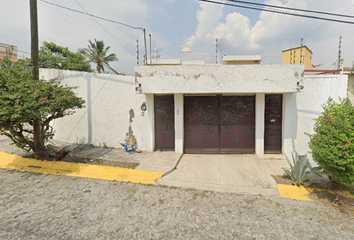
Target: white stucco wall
x,y
110,102
301,108
260,107
219,78
351,88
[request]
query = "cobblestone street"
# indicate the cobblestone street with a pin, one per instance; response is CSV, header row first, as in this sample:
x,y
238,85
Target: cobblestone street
x,y
37,206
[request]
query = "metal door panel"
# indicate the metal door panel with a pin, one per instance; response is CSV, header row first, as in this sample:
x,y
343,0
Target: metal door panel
x,y
219,124
237,139
201,129
202,139
237,124
273,123
164,122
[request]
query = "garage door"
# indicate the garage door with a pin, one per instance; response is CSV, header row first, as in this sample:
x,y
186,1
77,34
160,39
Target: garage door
x,y
219,124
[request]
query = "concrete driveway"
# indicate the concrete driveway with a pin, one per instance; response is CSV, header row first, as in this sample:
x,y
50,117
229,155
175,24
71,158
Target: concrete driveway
x,y
237,173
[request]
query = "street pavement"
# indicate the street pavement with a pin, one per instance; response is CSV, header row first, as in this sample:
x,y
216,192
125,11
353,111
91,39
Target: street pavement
x,y
200,199
41,206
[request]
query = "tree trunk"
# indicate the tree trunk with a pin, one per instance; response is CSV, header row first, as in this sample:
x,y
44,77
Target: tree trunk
x,y
39,149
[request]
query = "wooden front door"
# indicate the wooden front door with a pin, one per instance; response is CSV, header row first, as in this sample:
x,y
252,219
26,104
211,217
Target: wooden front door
x,y
164,122
273,123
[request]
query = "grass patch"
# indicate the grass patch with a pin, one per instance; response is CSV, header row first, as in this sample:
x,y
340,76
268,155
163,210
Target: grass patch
x,y
279,204
251,201
132,191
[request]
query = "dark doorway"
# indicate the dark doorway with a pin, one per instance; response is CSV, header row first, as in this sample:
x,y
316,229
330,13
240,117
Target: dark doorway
x,y
273,123
219,124
164,122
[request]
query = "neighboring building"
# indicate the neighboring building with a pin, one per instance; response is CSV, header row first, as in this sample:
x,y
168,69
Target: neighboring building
x,y
241,60
298,55
3,48
11,59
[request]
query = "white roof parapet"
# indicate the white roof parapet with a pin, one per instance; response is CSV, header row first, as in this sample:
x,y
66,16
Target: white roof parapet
x,y
217,78
165,62
193,62
242,58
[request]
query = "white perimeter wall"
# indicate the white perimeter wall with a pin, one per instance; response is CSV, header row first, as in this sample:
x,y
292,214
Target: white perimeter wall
x,y
351,88
301,108
111,103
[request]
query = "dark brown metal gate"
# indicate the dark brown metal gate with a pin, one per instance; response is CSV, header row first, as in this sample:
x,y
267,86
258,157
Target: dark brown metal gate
x,y
164,122
219,124
273,123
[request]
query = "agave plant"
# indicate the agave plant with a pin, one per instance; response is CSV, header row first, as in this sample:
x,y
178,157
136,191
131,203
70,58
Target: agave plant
x,y
301,173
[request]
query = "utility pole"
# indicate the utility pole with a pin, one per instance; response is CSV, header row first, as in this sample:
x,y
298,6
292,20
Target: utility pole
x,y
34,38
301,52
37,133
157,53
48,58
216,51
150,50
339,51
137,52
145,56
67,58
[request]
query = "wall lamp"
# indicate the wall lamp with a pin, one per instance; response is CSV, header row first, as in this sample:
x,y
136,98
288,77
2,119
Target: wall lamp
x,y
138,88
299,87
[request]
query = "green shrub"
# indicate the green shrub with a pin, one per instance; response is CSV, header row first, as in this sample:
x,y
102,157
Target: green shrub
x,y
332,141
24,101
301,173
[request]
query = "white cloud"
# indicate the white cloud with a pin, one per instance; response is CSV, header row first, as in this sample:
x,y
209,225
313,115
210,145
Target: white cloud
x,y
70,29
272,33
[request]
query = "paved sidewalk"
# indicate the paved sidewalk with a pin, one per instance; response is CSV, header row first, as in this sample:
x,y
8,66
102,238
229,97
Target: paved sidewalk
x,y
147,173
233,173
238,173
13,162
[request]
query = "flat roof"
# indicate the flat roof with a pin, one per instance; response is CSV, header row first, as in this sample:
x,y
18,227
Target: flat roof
x,y
242,58
193,62
164,62
297,48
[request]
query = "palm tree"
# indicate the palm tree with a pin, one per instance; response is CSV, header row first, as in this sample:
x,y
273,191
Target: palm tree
x,y
97,53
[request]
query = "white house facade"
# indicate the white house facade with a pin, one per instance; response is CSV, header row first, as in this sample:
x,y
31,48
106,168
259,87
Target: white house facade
x,y
205,109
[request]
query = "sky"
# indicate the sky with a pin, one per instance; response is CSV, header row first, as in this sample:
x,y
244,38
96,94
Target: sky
x,y
177,23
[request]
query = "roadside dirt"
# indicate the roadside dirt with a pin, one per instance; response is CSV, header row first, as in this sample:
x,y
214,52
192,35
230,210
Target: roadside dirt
x,y
325,193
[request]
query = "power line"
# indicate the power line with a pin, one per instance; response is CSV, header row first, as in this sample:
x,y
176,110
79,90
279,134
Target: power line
x,y
289,8
91,15
105,29
280,12
321,25
23,52
71,17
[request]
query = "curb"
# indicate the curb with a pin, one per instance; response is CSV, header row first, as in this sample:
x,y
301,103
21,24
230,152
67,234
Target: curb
x,y
13,162
301,193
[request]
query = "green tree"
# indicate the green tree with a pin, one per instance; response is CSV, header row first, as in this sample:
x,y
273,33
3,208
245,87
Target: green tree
x,y
332,143
97,53
57,57
22,100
